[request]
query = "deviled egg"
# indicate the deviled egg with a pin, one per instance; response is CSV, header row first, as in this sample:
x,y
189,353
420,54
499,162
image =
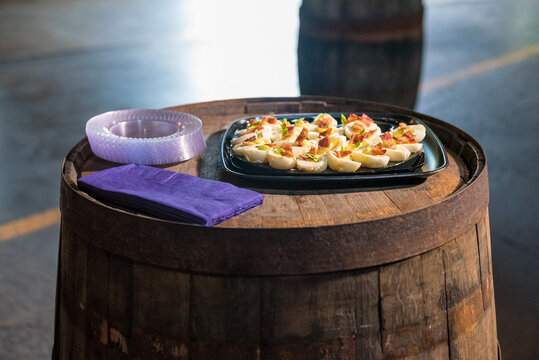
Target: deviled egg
x,y
282,157
394,151
257,154
359,124
371,156
418,131
341,161
323,121
311,162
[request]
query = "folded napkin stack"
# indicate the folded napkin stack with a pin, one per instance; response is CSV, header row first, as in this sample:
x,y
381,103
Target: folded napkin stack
x,y
169,195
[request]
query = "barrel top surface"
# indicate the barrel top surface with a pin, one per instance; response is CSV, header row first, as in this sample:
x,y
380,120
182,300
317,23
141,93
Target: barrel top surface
x,y
363,223
304,207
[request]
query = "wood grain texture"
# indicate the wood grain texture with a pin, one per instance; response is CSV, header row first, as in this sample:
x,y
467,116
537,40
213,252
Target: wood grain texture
x,y
467,319
97,305
413,311
119,314
330,316
487,285
225,317
66,298
158,334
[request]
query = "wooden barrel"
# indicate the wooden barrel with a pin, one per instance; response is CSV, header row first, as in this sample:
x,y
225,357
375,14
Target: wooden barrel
x,y
366,49
348,273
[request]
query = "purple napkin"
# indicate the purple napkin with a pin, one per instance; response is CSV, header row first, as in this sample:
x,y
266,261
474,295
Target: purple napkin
x,y
170,195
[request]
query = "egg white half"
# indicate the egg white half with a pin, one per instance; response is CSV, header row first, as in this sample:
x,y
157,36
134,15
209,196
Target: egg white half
x,y
311,166
399,153
239,149
255,155
413,148
370,161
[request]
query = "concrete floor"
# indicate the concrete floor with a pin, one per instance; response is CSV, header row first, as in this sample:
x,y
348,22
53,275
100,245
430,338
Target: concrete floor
x,y
63,61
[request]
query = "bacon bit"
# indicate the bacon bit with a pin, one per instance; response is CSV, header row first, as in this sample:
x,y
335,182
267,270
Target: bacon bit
x,y
287,150
341,154
301,137
324,142
387,140
406,138
288,153
285,146
356,138
271,144
322,123
269,119
252,138
289,132
360,137
326,133
358,127
353,117
378,150
366,119
310,155
252,121
409,135
256,128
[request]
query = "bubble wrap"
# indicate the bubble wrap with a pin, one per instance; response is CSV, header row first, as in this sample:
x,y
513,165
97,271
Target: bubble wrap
x,y
186,142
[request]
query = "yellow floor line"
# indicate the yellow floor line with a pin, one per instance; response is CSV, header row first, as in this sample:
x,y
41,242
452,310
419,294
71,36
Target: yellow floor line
x,y
52,216
484,66
29,224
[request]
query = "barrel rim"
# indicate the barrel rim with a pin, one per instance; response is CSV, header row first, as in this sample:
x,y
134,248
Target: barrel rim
x,y
231,250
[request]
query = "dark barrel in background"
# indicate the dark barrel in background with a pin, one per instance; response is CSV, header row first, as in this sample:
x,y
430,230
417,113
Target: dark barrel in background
x,y
365,49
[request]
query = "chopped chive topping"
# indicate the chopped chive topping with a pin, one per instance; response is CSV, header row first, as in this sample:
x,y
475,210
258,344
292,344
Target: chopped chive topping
x,y
313,157
263,147
362,131
343,120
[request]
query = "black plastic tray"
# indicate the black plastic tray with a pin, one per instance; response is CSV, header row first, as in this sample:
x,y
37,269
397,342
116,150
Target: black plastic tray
x,y
428,161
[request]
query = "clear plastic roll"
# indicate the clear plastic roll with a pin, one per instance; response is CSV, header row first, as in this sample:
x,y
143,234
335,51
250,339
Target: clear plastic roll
x,y
146,137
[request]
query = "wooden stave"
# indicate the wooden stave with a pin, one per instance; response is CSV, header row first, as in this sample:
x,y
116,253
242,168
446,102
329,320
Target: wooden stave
x,y
205,254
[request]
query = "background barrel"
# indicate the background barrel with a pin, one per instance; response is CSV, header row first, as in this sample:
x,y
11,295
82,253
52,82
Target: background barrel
x,y
348,273
365,49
